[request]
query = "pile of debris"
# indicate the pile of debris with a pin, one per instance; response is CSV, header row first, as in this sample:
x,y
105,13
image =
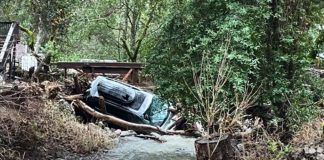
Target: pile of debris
x,y
109,101
121,105
32,126
114,102
313,151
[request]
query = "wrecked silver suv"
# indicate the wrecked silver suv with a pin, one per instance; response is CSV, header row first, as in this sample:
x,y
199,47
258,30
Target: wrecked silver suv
x,y
129,103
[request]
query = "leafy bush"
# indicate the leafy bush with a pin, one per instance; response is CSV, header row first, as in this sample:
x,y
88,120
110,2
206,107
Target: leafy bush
x,y
278,149
195,31
304,101
268,41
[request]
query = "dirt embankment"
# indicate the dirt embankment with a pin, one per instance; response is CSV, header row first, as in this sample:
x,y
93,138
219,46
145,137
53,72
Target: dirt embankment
x,y
32,127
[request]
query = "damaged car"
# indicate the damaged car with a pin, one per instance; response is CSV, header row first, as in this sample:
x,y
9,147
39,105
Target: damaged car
x,y
129,103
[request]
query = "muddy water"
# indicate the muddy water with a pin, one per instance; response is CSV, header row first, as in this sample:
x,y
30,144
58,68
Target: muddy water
x,y
134,148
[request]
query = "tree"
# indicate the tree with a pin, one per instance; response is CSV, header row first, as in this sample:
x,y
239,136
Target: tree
x,y
136,26
119,29
47,20
269,41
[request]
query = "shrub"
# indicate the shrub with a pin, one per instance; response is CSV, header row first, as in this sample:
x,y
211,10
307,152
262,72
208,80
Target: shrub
x,y
269,43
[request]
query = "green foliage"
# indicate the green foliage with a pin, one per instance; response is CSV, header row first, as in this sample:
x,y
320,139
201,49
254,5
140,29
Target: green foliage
x,y
278,149
112,29
194,31
303,107
31,37
51,49
47,21
89,35
269,41
99,29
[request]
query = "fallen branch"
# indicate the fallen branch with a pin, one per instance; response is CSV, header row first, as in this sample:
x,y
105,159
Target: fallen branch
x,y
16,95
22,89
142,128
73,97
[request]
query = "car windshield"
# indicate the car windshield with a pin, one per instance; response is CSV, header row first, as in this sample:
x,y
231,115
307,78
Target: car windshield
x,y
158,110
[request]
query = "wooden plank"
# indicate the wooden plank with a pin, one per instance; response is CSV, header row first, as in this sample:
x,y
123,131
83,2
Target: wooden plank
x,y
6,43
76,65
104,67
105,70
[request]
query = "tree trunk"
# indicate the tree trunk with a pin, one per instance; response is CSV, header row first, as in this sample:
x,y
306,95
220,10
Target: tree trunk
x,y
39,37
216,149
141,128
43,66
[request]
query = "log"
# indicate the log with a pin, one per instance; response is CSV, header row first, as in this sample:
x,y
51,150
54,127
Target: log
x,y
142,128
216,148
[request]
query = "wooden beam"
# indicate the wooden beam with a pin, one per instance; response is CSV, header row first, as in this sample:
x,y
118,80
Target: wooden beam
x,y
99,64
6,44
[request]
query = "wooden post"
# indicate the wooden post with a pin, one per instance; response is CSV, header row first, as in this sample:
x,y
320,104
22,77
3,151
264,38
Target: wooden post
x,y
65,72
92,72
135,78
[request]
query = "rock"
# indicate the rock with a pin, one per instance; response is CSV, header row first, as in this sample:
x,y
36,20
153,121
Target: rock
x,y
118,132
65,106
319,150
320,156
310,150
107,129
101,124
314,151
240,146
127,133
